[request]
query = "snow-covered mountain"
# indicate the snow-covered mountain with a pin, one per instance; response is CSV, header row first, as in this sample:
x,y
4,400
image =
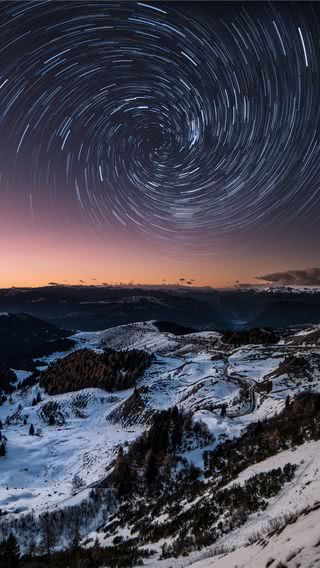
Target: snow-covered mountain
x,y
67,463
284,289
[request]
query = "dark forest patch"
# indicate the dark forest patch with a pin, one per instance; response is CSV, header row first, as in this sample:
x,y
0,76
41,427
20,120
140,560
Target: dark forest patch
x,y
174,328
85,368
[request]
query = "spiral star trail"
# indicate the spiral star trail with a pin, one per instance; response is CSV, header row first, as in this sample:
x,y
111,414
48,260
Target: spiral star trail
x,y
171,121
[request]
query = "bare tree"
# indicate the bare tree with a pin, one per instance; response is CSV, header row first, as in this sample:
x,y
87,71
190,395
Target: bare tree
x,y
48,537
77,484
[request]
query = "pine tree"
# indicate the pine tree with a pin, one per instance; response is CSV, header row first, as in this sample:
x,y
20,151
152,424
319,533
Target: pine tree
x,y
38,399
31,546
12,552
48,535
3,553
77,484
2,449
51,421
151,471
96,552
31,430
75,539
177,434
223,410
122,474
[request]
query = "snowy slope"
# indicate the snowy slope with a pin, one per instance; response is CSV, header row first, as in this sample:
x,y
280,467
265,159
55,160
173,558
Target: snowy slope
x,y
145,335
288,531
197,373
37,470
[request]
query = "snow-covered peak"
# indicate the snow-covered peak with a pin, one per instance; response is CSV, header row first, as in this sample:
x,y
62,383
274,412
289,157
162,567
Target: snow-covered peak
x,y
289,290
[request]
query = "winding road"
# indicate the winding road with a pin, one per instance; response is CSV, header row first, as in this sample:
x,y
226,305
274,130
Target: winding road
x,y
235,377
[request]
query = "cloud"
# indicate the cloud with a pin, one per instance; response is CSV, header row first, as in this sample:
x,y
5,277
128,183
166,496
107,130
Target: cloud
x,y
188,281
307,277
55,284
240,285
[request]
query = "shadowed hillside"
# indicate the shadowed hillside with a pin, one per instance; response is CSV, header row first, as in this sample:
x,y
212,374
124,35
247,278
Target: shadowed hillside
x,y
24,337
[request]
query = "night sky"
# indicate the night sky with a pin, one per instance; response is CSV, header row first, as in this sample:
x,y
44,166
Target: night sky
x,y
148,142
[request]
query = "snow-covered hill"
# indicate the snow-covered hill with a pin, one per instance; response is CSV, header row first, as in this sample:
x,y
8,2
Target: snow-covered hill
x,y
223,387
146,335
287,533
88,439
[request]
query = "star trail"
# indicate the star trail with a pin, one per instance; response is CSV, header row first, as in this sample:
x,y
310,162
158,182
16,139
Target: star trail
x,y
180,122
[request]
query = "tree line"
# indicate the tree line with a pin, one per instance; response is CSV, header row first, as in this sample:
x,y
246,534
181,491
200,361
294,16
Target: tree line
x,y
85,368
250,337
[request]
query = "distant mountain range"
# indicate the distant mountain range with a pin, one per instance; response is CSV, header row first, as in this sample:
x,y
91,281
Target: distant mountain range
x,y
96,307
284,290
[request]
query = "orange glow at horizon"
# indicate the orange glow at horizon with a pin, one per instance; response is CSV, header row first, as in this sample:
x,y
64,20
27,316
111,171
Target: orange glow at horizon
x,y
28,260
34,252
